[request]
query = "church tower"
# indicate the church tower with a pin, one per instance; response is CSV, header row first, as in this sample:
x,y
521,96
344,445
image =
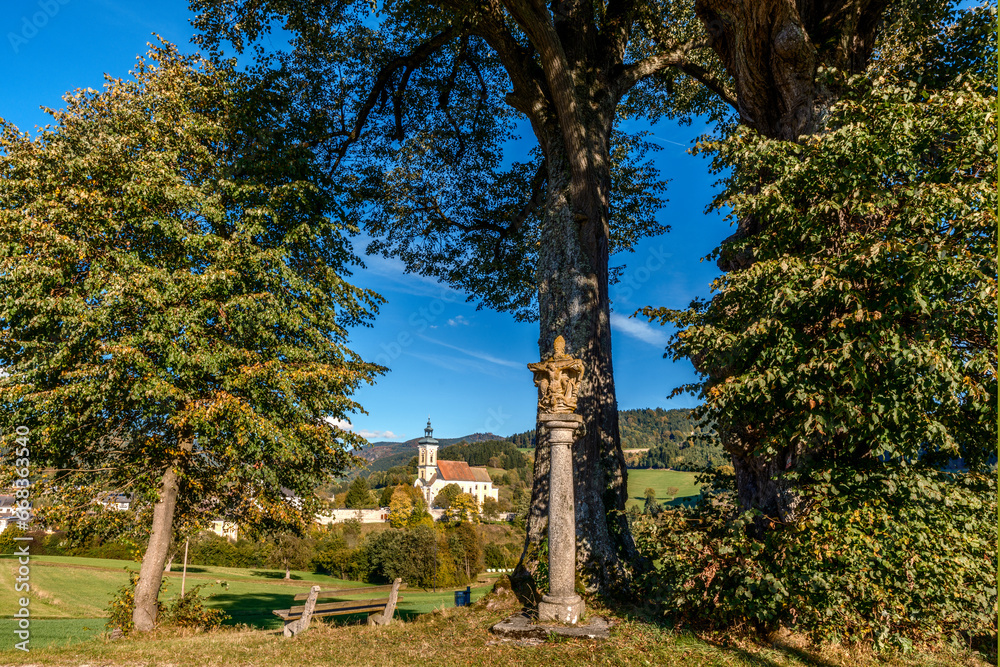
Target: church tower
x,y
427,456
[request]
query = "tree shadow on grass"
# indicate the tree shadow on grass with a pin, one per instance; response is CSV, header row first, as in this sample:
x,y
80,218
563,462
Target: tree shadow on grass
x,y
274,574
253,609
256,610
190,570
649,615
786,649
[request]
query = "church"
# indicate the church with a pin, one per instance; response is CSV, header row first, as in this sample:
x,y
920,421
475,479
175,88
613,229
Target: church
x,y
434,475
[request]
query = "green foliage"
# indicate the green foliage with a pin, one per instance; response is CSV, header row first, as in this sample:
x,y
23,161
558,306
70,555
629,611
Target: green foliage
x,y
394,476
492,453
866,325
336,558
359,496
122,605
427,167
188,611
446,496
854,358
490,509
525,440
7,542
290,552
500,556
466,548
464,507
675,439
651,507
400,509
211,549
408,554
170,274
882,557
352,528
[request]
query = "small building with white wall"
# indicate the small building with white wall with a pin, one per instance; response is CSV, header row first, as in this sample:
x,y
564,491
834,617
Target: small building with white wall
x,y
378,515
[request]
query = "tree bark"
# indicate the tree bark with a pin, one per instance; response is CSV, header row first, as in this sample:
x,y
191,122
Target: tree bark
x,y
147,589
573,302
773,49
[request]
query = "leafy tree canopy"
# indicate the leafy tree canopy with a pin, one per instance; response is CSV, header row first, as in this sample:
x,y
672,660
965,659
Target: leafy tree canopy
x,y
359,496
176,312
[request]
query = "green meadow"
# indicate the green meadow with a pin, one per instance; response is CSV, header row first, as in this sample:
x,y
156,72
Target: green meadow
x,y
69,595
660,481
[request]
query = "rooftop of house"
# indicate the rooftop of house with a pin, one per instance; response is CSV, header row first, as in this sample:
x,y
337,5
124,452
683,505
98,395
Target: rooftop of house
x,y
460,471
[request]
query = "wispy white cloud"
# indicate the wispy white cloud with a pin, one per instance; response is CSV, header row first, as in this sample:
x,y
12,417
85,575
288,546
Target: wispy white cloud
x,y
380,435
342,424
457,364
393,270
667,141
639,330
458,321
475,354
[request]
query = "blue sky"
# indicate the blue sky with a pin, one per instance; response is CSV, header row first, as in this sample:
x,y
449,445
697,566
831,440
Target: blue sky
x,y
463,367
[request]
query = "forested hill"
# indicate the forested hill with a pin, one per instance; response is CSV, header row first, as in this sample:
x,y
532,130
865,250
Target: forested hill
x,y
665,433
641,429
648,427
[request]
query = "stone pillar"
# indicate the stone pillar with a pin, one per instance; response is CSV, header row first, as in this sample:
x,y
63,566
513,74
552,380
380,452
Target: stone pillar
x,y
562,603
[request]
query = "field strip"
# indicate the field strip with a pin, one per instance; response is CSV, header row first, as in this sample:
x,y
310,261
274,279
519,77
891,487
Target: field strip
x,y
190,575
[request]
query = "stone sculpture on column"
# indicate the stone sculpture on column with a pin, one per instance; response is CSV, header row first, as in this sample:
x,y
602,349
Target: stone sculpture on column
x,y
558,381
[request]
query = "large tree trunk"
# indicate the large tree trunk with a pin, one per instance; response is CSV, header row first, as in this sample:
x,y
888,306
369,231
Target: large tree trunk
x,y
573,302
772,49
151,572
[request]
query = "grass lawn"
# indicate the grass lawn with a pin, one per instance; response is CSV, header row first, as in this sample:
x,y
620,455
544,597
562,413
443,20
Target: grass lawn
x,y
451,637
660,481
69,595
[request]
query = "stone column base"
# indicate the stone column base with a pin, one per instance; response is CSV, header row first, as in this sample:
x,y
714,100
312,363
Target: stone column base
x,y
563,609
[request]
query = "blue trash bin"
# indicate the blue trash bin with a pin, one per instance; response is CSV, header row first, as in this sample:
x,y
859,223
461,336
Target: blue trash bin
x,y
463,598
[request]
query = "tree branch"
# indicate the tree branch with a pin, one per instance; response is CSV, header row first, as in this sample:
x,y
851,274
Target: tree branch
x,y
518,62
676,57
382,81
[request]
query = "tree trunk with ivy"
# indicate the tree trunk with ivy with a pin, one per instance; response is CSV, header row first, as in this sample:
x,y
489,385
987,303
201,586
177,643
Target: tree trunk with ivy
x,y
772,50
573,303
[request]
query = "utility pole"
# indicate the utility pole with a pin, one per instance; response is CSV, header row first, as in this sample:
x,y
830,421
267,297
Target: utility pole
x,y
184,573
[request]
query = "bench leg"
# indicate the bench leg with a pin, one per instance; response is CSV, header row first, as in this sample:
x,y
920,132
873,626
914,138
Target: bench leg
x,y
293,628
385,616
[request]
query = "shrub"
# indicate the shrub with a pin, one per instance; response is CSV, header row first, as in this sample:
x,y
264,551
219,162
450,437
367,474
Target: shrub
x,y
212,549
7,541
497,556
882,557
188,611
121,606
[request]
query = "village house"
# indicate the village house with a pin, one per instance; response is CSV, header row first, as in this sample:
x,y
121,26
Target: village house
x,y
433,475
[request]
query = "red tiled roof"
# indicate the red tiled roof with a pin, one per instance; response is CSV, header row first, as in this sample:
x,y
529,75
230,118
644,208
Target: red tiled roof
x,y
455,471
480,474
460,471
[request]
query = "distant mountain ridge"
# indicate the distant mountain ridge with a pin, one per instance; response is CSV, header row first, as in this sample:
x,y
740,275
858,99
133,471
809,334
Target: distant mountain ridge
x,y
401,452
657,438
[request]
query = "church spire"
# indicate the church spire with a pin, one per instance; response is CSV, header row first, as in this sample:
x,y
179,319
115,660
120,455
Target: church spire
x,y
427,447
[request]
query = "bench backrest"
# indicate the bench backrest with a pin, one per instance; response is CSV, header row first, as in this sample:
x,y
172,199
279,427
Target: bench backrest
x,y
341,592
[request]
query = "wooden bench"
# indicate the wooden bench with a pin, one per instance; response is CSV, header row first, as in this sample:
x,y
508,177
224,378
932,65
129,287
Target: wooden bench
x,y
380,611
